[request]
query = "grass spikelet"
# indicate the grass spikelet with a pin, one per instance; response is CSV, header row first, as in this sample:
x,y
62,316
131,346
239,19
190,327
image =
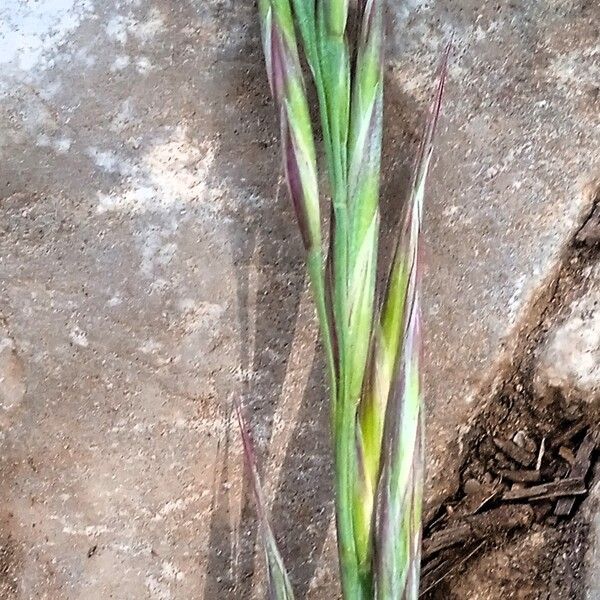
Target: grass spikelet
x,y
372,344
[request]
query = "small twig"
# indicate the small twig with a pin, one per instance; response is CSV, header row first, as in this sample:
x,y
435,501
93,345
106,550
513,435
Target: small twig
x,y
518,454
572,486
538,464
453,567
446,538
581,466
520,476
569,434
477,527
492,496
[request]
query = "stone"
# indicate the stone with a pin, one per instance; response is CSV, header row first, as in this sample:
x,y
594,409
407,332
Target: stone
x,y
568,364
472,487
522,440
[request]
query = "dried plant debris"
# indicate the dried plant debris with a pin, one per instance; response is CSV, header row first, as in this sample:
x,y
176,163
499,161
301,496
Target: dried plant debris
x,y
488,511
580,468
516,453
476,528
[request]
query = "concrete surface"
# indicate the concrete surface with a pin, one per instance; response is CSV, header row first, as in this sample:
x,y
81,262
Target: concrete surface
x,y
150,268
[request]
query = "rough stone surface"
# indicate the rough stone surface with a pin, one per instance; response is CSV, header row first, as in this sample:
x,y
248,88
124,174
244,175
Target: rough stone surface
x,y
569,363
591,513
150,268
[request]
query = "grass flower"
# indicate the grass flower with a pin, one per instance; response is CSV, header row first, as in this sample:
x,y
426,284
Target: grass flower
x,y
372,342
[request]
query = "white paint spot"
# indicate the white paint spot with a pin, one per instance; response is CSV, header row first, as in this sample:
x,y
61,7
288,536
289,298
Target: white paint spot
x,y
413,80
158,590
120,27
173,506
516,298
120,63
577,69
7,343
171,573
143,65
156,252
204,316
172,174
36,116
79,337
451,210
62,145
83,55
136,198
407,7
50,89
42,140
105,159
88,531
571,359
146,30
116,28
115,301
124,116
158,286
12,374
479,34
150,346
29,31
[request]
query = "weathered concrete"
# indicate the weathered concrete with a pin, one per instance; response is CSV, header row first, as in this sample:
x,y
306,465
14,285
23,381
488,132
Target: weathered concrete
x,y
150,267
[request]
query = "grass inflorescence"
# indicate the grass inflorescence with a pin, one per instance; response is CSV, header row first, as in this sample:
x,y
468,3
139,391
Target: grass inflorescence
x,y
372,340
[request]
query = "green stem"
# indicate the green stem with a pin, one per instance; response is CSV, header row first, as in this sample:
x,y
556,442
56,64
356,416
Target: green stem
x,y
351,588
314,263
